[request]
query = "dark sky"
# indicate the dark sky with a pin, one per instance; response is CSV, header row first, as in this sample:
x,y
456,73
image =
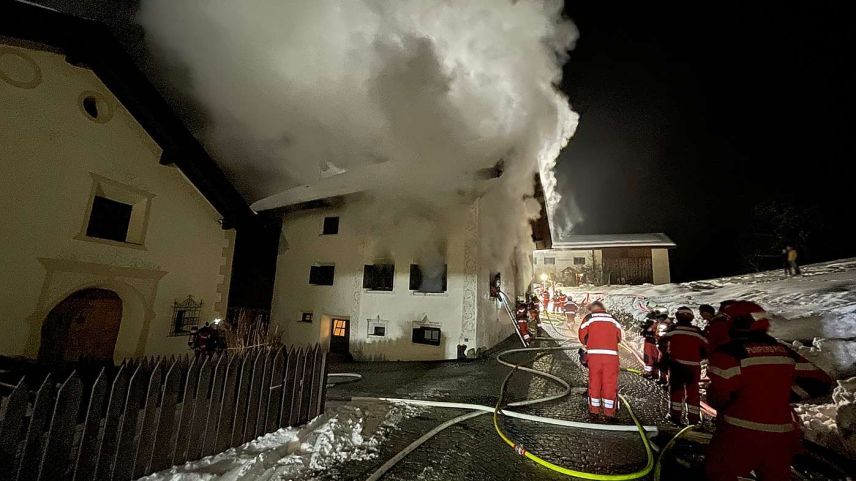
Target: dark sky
x,y
690,118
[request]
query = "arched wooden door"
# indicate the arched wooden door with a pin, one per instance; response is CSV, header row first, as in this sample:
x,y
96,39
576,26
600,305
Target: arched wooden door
x,y
83,326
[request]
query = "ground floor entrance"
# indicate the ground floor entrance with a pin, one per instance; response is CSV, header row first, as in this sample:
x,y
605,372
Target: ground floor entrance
x,y
84,325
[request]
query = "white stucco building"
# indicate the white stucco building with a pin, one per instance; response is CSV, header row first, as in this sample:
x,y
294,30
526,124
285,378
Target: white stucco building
x,y
606,259
360,293
117,229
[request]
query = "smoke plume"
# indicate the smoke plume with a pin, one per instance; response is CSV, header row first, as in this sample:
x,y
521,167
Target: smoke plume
x,y
441,93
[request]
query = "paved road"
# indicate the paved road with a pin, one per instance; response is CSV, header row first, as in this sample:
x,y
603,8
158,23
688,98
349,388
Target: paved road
x,y
472,450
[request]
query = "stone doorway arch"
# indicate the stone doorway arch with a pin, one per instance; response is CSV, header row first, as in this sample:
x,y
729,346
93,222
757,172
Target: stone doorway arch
x,y
84,325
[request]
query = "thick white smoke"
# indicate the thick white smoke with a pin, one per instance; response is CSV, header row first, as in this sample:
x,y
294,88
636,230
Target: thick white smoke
x,y
437,90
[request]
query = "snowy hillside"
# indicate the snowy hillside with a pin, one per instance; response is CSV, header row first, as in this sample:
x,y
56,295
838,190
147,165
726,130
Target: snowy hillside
x,y
816,313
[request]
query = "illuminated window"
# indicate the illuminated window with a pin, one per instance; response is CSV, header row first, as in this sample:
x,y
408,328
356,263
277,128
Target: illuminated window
x,y
306,317
339,327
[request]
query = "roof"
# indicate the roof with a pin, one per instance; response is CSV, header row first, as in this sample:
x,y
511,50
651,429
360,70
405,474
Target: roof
x,y
91,44
600,241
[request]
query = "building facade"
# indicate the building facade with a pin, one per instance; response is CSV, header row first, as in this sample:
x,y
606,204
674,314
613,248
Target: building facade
x,y
393,296
606,259
110,249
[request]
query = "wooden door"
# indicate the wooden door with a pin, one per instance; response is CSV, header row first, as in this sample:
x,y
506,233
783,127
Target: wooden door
x,y
83,326
340,335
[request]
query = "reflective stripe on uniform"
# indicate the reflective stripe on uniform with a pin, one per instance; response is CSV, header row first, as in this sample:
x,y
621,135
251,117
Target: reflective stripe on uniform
x,y
687,363
724,373
607,318
805,366
603,351
765,427
767,360
595,401
608,403
649,368
677,406
681,332
693,409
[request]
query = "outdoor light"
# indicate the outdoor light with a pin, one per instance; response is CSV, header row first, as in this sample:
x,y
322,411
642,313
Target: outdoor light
x,y
216,321
544,277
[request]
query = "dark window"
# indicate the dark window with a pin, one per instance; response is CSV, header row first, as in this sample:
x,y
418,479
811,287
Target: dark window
x,y
321,275
185,316
90,105
427,279
306,317
331,226
579,261
535,260
379,331
378,277
495,284
549,260
426,335
109,219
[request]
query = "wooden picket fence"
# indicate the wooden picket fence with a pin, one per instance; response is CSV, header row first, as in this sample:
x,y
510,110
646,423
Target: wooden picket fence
x,y
150,414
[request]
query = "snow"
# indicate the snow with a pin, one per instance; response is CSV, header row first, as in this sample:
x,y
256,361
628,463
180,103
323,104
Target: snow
x,y
349,432
815,313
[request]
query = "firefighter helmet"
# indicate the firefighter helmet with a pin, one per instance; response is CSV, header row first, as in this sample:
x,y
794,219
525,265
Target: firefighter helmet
x,y
746,316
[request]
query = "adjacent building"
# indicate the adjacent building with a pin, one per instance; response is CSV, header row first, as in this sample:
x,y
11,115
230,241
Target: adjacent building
x,y
117,228
606,259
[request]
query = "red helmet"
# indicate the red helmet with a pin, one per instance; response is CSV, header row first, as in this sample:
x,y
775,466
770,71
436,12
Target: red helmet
x,y
746,316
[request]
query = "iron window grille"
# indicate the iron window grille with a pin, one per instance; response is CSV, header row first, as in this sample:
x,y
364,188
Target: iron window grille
x,y
426,335
185,316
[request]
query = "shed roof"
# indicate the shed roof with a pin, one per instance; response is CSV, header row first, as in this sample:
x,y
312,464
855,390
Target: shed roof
x,y
600,241
91,45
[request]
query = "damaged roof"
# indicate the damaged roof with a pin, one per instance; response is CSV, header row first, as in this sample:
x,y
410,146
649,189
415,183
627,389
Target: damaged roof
x,y
91,45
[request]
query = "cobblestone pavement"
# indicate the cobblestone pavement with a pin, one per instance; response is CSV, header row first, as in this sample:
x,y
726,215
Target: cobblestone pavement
x,y
471,450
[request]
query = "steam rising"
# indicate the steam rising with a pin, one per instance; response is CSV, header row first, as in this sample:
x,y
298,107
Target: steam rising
x,y
435,90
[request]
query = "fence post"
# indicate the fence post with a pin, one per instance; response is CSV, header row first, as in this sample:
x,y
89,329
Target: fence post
x,y
188,408
214,403
276,389
10,427
126,447
34,444
54,464
164,447
242,393
87,451
108,444
299,367
249,426
149,423
305,386
225,414
264,393
288,388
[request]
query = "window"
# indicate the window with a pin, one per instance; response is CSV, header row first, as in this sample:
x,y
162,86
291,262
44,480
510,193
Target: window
x,y
185,316
322,275
109,219
306,317
427,279
377,327
378,277
340,327
117,214
535,261
426,335
549,261
331,226
495,284
579,261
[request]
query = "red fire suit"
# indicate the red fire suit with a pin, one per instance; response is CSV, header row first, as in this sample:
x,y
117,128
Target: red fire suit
x,y
650,352
545,297
600,333
571,309
686,347
751,381
717,332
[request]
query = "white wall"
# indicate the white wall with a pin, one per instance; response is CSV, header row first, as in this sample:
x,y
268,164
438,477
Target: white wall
x,y
455,311
49,151
564,259
660,265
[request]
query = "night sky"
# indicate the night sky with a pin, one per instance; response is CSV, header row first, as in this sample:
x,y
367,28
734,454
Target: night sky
x,y
690,118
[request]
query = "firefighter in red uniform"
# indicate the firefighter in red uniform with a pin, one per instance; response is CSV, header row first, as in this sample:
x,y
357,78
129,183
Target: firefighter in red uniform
x,y
651,355
571,309
560,307
545,298
718,327
751,382
686,347
600,333
521,314
663,326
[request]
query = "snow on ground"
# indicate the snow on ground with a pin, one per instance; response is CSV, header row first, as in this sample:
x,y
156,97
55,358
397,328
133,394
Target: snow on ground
x,y
815,312
349,432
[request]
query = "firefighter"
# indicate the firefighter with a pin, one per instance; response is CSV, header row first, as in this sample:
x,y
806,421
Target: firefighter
x,y
571,309
560,307
545,297
686,347
663,326
600,334
203,339
751,382
651,354
555,300
521,314
718,327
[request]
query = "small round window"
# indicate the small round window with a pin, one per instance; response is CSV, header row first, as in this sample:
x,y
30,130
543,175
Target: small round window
x,y
95,107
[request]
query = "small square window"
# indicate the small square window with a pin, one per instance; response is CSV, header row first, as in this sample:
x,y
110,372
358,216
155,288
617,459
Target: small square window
x,y
378,277
109,219
340,327
426,335
427,279
331,226
495,284
549,261
322,275
306,317
579,261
